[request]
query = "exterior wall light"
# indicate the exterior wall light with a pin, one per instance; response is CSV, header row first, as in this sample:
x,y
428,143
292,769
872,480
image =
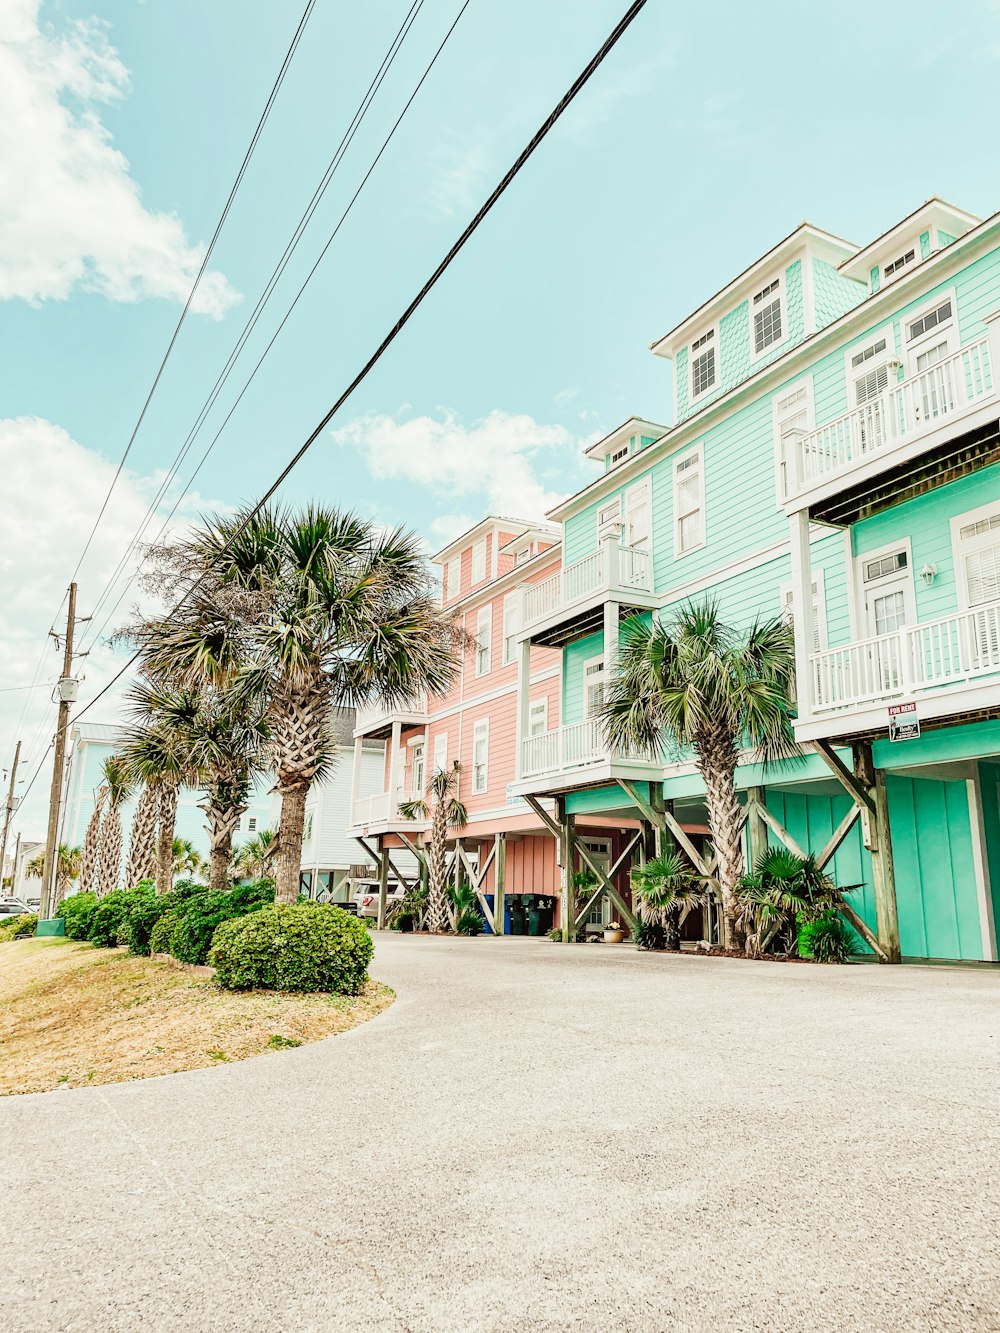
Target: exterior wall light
x,y
929,573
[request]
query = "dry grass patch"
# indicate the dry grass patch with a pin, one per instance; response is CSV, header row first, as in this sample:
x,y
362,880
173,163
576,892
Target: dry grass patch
x,y
72,1015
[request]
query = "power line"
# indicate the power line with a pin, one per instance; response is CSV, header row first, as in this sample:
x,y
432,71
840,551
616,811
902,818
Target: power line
x,y
306,13
509,176
251,323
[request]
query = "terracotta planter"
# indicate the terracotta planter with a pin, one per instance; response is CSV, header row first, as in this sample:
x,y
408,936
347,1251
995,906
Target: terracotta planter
x,y
613,936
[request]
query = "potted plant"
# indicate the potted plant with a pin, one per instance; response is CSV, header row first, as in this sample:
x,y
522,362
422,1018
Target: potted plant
x,y
613,933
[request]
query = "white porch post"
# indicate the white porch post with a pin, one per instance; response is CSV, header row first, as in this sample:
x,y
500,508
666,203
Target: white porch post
x,y
397,728
611,546
356,774
610,640
993,331
523,702
802,604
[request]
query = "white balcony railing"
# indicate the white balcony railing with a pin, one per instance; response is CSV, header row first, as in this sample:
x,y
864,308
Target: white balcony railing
x,y
920,657
902,412
381,808
372,717
610,568
572,746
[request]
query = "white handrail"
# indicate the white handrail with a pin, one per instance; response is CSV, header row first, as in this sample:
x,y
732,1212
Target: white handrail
x,y
631,567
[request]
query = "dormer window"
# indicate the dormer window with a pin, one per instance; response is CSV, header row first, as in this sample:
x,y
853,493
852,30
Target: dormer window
x,y
896,266
703,363
766,317
523,554
619,455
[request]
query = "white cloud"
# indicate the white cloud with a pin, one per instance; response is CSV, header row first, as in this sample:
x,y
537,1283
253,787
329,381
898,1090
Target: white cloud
x,y
70,213
506,460
52,491
458,175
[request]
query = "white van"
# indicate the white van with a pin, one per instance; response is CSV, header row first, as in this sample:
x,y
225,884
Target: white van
x,y
365,895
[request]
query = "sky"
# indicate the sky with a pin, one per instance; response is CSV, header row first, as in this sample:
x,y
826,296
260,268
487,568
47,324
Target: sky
x,y
709,134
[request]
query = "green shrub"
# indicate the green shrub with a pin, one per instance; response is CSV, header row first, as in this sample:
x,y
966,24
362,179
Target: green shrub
x,y
162,932
77,912
142,912
650,935
106,919
828,939
248,897
469,922
293,948
18,925
203,911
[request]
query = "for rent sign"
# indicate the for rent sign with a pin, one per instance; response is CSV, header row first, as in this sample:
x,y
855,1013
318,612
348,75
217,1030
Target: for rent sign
x,y
904,725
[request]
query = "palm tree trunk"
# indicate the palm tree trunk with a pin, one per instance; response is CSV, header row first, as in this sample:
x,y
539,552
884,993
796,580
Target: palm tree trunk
x,y
110,870
165,838
222,819
717,761
92,845
292,821
142,845
672,929
437,896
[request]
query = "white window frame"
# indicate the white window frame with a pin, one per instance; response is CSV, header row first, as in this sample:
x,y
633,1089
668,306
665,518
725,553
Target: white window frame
x,y
819,607
510,604
538,708
909,595
990,510
619,455
481,733
484,644
712,330
452,578
609,518
946,332
778,419
479,561
587,664
779,296
885,278
697,452
252,824
440,753
418,758
635,497
885,357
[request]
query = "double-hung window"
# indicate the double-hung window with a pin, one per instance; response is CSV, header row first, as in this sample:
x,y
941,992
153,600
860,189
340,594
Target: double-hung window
x,y
870,370
689,502
766,317
978,556
538,717
452,574
484,637
417,769
479,561
480,755
702,364
509,628
440,751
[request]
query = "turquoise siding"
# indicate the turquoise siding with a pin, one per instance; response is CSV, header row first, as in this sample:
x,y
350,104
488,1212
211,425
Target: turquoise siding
x,y
925,244
574,656
936,894
734,360
944,238
989,777
833,295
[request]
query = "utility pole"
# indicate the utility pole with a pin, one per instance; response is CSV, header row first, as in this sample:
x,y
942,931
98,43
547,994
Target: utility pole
x,y
67,695
7,815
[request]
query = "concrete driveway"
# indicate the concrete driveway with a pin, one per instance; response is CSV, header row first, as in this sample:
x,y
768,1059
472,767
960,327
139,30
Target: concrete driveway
x,y
539,1137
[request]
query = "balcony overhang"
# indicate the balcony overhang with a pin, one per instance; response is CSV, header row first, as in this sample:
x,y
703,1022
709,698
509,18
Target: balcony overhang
x,y
584,776
378,727
959,706
953,450
568,623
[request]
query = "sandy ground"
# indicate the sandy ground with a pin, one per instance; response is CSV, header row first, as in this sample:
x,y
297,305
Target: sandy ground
x,y
539,1137
73,1016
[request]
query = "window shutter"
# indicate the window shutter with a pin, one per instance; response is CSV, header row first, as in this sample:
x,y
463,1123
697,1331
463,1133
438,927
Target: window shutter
x,y
982,575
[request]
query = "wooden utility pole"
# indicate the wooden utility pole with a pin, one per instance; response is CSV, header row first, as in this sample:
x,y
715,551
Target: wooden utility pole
x,y
58,764
7,815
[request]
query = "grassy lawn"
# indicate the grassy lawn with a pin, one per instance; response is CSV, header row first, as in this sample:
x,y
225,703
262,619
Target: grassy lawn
x,y
72,1016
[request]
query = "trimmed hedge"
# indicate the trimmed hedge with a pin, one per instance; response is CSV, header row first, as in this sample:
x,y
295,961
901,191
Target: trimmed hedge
x,y
297,947
146,907
77,912
16,925
107,919
192,936
162,932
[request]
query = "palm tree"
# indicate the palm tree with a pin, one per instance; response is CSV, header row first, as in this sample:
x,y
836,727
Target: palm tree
x,y
120,783
298,614
156,758
697,683
253,859
92,844
68,862
445,810
142,841
667,890
186,860
782,891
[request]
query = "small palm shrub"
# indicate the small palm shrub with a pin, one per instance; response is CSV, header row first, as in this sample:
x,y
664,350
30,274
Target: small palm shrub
x,y
666,890
107,919
18,925
469,922
298,947
77,912
780,896
828,939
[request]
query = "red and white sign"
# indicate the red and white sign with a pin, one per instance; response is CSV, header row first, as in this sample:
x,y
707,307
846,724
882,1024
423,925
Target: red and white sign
x,y
904,725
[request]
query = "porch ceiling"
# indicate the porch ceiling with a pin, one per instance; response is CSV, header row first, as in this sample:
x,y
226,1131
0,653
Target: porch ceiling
x,y
578,622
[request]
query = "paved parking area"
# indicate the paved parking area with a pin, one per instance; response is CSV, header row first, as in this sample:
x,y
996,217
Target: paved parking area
x,y
539,1137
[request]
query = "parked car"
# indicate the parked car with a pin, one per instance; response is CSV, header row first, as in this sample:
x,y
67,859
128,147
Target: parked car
x,y
13,907
366,895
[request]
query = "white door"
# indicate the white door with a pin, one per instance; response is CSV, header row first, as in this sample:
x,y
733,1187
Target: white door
x,y
600,913
638,536
887,589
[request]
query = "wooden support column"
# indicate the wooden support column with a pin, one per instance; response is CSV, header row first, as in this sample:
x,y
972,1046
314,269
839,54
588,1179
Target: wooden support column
x,y
383,882
499,884
756,825
802,611
880,846
567,863
459,862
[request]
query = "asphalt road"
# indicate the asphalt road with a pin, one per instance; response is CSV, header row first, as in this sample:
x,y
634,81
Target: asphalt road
x,y
538,1137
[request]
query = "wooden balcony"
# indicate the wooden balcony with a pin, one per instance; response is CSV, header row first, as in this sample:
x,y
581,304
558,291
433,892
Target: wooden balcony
x,y
578,755
569,605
